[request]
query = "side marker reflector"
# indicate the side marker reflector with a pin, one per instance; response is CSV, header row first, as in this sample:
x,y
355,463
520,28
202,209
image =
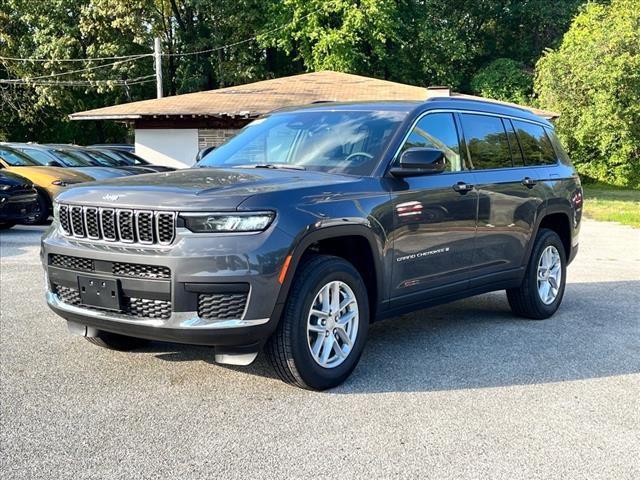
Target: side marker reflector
x,y
283,271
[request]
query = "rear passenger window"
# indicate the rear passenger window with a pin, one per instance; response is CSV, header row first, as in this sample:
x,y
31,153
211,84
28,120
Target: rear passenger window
x,y
487,141
437,130
536,146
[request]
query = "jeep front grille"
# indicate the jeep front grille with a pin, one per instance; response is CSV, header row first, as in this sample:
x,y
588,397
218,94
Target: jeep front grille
x,y
118,225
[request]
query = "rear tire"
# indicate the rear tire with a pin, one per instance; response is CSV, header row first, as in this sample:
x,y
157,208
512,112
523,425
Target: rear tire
x,y
532,299
114,341
297,349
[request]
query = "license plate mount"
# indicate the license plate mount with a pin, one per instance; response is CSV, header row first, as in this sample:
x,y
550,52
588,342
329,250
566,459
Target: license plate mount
x,y
100,292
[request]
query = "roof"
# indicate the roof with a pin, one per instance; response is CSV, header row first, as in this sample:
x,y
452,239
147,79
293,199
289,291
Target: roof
x,y
258,98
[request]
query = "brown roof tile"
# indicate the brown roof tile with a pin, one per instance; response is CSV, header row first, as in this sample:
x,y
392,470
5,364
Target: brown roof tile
x,y
261,97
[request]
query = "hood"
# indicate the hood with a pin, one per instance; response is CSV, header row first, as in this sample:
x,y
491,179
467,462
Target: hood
x,y
13,180
196,188
102,173
43,176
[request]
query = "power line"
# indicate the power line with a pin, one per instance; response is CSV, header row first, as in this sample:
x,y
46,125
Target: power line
x,y
96,67
94,59
79,83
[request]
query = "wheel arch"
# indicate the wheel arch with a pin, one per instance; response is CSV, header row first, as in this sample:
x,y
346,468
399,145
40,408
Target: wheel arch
x,y
558,220
352,240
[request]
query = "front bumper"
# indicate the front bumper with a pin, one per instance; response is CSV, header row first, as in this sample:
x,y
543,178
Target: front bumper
x,y
17,208
186,305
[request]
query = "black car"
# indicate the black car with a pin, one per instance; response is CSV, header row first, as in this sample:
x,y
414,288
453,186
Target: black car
x,y
18,200
314,222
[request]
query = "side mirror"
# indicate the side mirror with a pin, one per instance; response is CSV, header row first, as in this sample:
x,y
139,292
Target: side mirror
x,y
420,161
53,163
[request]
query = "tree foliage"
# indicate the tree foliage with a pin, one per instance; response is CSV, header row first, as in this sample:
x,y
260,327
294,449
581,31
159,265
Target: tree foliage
x,y
593,81
504,79
421,42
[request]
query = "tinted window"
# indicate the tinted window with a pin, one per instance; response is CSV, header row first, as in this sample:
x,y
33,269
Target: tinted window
x,y
487,141
437,130
536,145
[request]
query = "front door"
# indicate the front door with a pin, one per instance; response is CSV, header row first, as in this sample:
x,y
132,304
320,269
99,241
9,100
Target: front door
x,y
434,218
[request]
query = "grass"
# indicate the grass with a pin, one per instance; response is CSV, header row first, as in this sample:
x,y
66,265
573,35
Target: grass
x,y
612,204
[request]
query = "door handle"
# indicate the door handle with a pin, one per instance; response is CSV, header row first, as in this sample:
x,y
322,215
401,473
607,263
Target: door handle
x,y
462,187
528,182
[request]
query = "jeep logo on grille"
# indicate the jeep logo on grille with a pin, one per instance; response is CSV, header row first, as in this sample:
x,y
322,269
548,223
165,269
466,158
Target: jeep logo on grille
x,y
110,197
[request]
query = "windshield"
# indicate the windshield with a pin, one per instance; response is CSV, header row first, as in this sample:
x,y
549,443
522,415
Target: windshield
x,y
16,159
68,159
348,142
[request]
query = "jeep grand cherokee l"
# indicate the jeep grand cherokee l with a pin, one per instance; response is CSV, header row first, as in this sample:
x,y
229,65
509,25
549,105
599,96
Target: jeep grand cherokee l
x,y
313,222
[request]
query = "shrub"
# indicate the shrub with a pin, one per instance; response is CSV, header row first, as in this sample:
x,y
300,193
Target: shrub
x,y
593,81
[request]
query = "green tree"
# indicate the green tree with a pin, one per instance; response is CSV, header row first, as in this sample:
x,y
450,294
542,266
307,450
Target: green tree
x,y
593,81
504,79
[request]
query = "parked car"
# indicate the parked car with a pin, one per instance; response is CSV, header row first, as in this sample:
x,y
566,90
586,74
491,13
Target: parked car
x,y
47,155
49,181
18,200
125,158
314,222
203,152
100,159
123,147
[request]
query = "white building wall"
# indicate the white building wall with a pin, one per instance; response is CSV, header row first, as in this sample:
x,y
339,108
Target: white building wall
x,y
173,147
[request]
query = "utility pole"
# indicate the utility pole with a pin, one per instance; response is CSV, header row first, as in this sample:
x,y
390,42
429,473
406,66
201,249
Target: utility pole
x,y
157,55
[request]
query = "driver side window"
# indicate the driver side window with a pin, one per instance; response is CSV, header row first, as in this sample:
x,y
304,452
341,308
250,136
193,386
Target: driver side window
x,y
437,130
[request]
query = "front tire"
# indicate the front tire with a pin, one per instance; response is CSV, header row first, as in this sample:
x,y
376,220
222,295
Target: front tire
x,y
44,209
114,341
324,325
542,288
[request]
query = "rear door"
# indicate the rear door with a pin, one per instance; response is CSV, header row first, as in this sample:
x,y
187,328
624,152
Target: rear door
x,y
507,200
434,217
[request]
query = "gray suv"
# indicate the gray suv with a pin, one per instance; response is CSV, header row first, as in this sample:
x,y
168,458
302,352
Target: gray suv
x,y
314,222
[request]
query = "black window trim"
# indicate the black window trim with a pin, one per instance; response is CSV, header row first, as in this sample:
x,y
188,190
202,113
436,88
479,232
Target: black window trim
x,y
462,139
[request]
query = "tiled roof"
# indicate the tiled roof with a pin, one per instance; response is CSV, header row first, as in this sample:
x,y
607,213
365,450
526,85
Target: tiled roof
x,y
261,97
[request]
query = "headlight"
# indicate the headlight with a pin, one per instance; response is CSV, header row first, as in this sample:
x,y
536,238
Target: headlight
x,y
228,222
60,183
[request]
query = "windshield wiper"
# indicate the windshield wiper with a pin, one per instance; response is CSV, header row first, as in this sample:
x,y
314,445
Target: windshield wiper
x,y
284,166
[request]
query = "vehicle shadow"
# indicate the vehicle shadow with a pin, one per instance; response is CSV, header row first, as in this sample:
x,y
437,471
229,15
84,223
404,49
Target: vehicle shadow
x,y
479,343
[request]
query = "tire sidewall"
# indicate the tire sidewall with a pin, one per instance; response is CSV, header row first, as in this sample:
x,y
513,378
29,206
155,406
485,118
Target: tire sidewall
x,y
548,238
313,374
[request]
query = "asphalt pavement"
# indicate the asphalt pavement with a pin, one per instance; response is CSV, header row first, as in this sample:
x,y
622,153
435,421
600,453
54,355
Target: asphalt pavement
x,y
465,390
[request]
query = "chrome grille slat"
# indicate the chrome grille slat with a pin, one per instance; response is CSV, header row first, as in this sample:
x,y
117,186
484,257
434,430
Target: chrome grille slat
x,y
77,222
145,227
91,222
65,224
125,225
108,224
165,227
